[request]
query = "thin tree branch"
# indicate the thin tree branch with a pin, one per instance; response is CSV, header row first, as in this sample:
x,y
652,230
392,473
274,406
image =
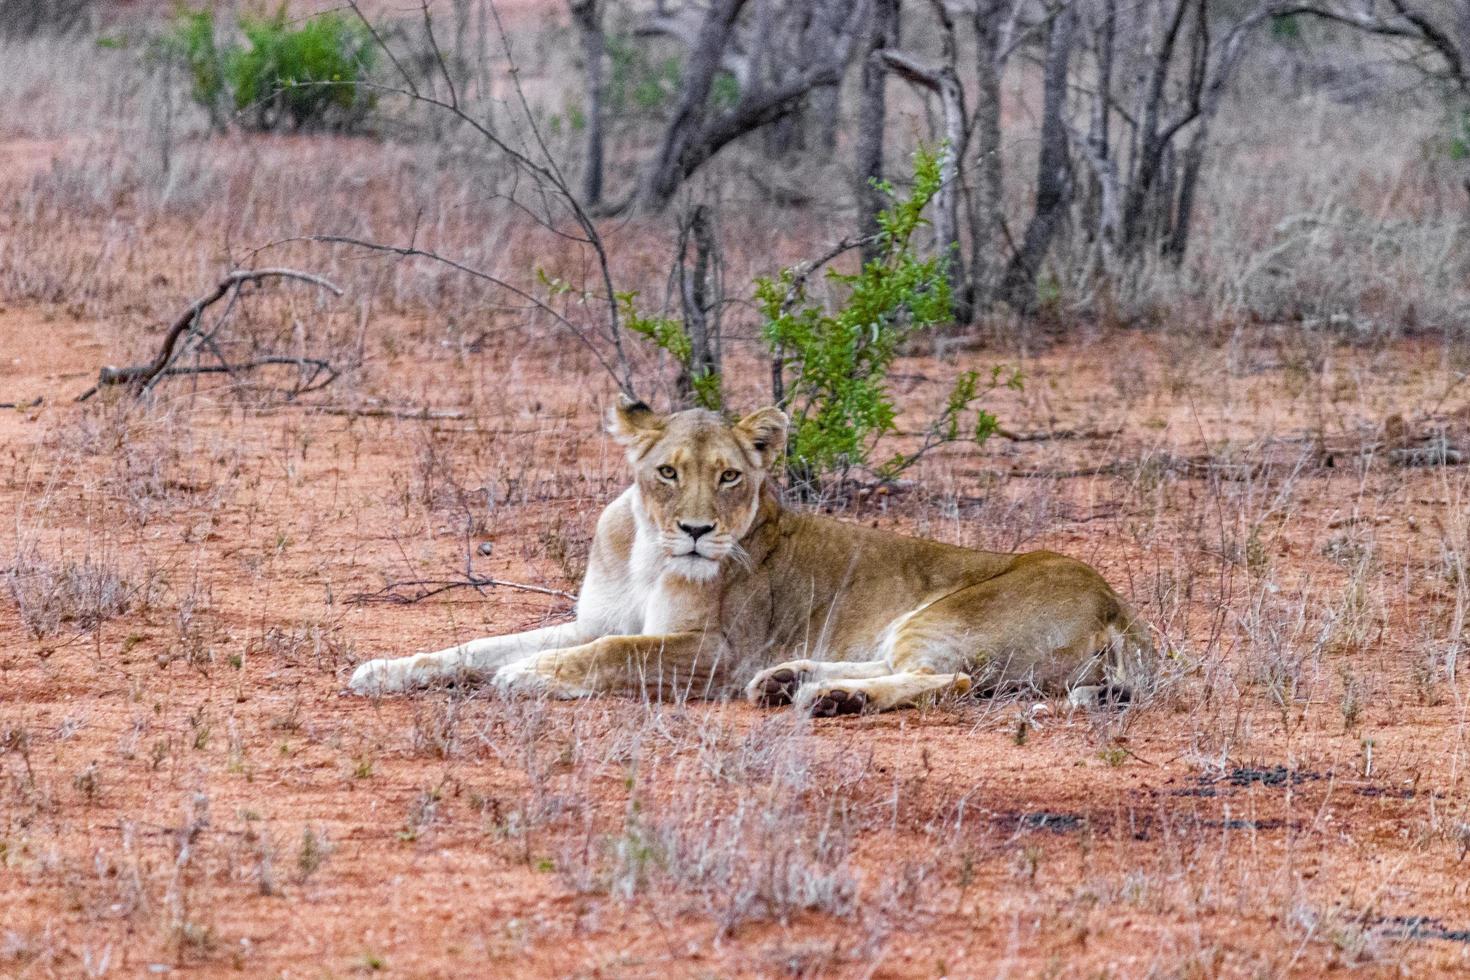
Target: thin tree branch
x,y
413,251
549,173
1411,25
431,587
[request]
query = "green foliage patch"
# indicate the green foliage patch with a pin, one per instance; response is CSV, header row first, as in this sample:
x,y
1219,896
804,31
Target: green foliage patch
x,y
839,355
836,355
303,75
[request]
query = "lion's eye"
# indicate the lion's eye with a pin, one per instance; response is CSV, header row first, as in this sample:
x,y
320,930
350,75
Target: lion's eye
x,y
729,476
668,472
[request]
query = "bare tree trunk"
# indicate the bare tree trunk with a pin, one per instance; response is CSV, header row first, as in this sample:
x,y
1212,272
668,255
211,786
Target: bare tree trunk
x,y
664,176
1099,139
695,132
1194,156
1151,143
872,114
986,214
587,15
947,217
787,135
1462,29
699,296
825,113
1053,172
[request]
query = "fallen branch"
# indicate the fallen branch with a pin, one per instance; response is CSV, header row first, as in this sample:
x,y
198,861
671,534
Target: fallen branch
x,y
317,365
33,403
1058,434
405,414
141,376
1107,469
433,587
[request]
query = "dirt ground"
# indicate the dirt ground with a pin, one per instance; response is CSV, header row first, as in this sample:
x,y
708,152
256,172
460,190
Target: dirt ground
x,y
187,789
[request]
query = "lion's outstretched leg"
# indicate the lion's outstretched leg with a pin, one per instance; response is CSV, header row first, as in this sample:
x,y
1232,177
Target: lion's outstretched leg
x,y
778,685
824,699
668,666
471,660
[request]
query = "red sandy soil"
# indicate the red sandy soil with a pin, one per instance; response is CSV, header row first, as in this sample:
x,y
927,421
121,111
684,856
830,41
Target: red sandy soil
x,y
186,787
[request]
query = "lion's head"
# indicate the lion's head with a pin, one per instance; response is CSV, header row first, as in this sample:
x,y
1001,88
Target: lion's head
x,y
699,478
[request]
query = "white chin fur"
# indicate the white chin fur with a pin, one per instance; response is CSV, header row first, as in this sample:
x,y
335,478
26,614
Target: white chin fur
x,y
695,568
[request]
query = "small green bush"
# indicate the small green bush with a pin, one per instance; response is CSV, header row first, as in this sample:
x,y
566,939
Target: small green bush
x,y
839,357
637,82
670,336
305,76
1457,147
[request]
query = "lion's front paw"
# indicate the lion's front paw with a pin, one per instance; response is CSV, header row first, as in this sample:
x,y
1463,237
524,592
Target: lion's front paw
x,y
777,686
520,677
380,676
398,674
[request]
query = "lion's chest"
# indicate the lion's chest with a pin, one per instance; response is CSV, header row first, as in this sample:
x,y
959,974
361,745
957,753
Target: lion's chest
x,y
640,598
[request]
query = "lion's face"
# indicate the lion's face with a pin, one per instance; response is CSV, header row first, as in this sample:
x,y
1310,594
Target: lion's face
x,y
699,478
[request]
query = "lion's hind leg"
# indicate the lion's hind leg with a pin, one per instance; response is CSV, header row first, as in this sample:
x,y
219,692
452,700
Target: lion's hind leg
x,y
778,685
906,689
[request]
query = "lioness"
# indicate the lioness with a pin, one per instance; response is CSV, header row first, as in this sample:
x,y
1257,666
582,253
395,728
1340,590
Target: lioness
x,y
700,581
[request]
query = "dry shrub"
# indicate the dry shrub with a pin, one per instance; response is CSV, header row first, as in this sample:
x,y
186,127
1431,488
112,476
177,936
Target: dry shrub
x,y
52,594
739,828
29,18
1361,275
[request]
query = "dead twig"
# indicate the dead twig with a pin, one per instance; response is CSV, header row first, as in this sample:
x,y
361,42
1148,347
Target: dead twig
x,y
403,414
1058,434
428,588
318,368
142,375
33,403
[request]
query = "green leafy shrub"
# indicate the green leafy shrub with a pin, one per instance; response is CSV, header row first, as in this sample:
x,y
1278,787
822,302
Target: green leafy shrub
x,y
839,357
306,76
637,82
191,40
1457,147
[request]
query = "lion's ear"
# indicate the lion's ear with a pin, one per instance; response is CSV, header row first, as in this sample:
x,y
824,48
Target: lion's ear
x,y
766,430
632,423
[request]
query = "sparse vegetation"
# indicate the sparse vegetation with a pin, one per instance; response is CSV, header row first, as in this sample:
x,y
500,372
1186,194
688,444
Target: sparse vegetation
x,y
29,18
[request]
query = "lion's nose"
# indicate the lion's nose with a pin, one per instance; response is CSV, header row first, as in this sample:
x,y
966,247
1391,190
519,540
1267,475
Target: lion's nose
x,y
695,531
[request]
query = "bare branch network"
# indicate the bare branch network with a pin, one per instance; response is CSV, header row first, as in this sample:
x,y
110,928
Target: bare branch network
x,y
142,377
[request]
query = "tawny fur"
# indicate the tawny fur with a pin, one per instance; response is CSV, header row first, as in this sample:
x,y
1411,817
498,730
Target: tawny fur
x,y
790,607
